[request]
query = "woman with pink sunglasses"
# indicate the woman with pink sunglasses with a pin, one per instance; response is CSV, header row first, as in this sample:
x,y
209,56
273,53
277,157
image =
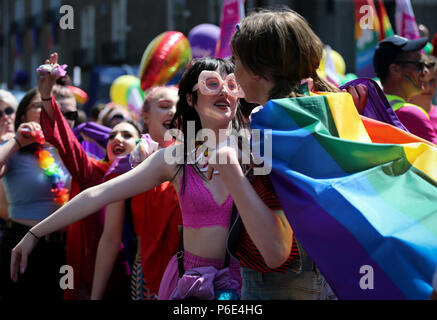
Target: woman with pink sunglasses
x,y
205,204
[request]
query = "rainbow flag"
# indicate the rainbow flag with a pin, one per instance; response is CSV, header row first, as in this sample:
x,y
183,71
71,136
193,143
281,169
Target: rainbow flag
x,y
366,37
385,26
360,195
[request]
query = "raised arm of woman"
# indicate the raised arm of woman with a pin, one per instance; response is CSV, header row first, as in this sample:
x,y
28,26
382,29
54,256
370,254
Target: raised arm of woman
x,y
45,85
149,174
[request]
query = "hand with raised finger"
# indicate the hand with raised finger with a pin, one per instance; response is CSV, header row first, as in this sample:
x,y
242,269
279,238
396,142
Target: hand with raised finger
x,y
48,73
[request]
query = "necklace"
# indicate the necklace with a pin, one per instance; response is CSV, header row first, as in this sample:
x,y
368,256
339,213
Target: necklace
x,y
200,154
49,166
51,170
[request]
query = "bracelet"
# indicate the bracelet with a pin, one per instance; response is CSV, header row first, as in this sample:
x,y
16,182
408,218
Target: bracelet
x,y
33,234
48,99
18,142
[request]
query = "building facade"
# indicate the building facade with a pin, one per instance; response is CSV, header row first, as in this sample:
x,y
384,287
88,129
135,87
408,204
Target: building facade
x,y
116,32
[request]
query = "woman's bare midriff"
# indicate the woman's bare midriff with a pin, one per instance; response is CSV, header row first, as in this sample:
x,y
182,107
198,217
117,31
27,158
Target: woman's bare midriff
x,y
208,242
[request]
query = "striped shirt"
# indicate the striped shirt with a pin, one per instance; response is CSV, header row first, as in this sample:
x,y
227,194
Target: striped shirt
x,y
247,253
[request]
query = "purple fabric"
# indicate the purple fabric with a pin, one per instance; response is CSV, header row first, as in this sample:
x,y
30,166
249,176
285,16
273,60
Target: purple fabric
x,y
97,133
377,106
200,283
171,275
119,166
93,149
94,131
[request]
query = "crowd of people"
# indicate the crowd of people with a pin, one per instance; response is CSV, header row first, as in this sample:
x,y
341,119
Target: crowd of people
x,y
184,230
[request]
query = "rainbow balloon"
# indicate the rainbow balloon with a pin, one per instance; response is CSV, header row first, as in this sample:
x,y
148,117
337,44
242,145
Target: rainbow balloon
x,y
165,55
79,95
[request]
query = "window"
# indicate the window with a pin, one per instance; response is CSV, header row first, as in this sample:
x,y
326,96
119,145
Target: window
x,y
214,11
177,14
87,36
55,4
36,11
19,10
119,21
87,28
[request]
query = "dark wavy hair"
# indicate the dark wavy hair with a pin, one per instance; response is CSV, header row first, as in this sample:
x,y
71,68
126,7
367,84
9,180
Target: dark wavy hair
x,y
185,113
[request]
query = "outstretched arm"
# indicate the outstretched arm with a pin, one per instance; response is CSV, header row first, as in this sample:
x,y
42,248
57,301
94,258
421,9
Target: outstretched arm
x,y
109,247
149,174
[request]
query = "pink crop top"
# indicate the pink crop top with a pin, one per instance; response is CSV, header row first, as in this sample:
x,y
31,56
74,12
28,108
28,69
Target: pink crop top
x,y
198,207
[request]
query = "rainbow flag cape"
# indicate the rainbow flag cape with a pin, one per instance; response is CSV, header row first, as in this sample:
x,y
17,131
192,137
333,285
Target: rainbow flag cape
x,y
360,195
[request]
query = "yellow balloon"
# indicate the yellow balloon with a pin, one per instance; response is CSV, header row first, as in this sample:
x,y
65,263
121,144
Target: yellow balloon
x,y
340,65
120,88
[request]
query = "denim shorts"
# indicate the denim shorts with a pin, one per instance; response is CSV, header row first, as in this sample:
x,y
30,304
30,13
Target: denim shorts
x,y
301,281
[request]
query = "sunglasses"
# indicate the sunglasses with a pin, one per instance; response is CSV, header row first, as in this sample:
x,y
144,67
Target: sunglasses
x,y
8,111
70,115
420,65
211,83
